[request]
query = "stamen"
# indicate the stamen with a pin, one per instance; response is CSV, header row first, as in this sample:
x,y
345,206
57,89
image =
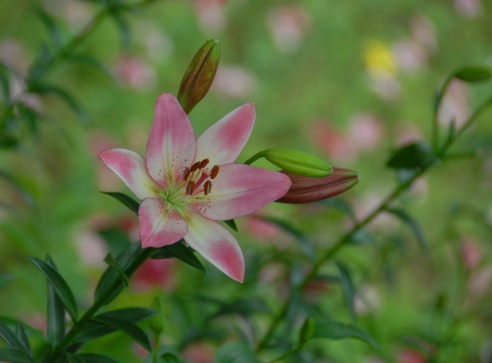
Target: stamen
x,y
204,163
207,187
190,187
195,166
187,173
215,171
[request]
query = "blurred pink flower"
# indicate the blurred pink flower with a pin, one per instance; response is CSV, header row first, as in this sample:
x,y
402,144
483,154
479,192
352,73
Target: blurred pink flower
x,y
157,44
199,352
424,33
91,248
13,55
455,105
332,142
409,356
470,8
210,15
288,26
409,55
470,253
234,82
480,281
175,182
367,300
155,274
365,131
135,73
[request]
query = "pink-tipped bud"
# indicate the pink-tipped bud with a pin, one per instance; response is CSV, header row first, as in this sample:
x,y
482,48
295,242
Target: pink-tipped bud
x,y
199,75
307,190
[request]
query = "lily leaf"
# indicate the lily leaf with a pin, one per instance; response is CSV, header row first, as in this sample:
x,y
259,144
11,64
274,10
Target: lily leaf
x,y
416,155
412,223
15,355
127,201
474,74
22,336
336,330
128,328
9,337
181,252
95,358
59,285
56,314
235,352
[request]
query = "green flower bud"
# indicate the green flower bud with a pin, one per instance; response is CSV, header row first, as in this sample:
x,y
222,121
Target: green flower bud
x,y
199,75
298,162
157,322
307,190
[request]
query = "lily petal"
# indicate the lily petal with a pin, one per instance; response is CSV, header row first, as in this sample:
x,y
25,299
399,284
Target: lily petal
x,y
239,190
216,244
159,226
172,143
130,167
222,142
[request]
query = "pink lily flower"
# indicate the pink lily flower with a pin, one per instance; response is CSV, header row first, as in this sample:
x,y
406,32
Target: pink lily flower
x,y
186,184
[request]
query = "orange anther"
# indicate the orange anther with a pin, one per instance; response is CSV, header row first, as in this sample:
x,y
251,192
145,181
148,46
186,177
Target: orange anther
x,y
187,173
215,171
207,187
190,187
204,163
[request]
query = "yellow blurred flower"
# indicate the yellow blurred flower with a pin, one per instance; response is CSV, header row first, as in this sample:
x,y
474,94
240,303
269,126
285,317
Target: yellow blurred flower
x,y
379,59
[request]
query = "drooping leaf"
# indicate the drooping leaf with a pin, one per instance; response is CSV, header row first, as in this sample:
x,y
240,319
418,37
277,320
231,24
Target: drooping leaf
x,y
110,276
29,330
412,223
95,358
9,337
235,352
474,74
347,288
63,95
416,155
110,260
56,314
59,285
336,330
5,279
181,252
15,355
231,224
91,331
304,243
127,201
22,336
128,328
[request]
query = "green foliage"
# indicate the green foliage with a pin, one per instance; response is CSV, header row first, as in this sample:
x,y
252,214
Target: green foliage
x,y
235,352
336,330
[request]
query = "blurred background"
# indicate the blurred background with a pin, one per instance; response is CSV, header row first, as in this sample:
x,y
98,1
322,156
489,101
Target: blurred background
x,y
348,81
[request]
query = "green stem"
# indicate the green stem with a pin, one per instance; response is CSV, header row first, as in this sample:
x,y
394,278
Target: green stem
x,y
254,158
435,122
287,354
141,256
440,154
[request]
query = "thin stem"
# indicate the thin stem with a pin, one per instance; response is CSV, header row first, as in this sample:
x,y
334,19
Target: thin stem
x,y
254,158
439,154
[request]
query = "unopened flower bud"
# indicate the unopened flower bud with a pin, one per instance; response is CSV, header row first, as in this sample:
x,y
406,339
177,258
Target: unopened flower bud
x,y
199,75
157,321
298,162
308,190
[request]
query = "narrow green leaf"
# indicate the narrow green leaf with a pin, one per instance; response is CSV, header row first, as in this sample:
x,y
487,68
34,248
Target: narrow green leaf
x,y
30,118
15,355
29,330
235,352
347,288
336,330
22,336
5,83
91,331
8,141
231,224
416,155
474,74
110,260
412,223
19,187
128,328
73,358
181,252
50,25
64,95
306,332
341,205
5,279
123,28
9,337
91,62
59,285
110,275
304,243
95,358
56,314
127,201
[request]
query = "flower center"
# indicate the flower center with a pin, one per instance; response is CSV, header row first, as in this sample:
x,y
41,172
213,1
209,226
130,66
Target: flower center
x,y
196,183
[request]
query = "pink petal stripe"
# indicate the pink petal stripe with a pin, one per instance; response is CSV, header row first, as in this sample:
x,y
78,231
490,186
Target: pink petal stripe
x,y
224,140
172,142
158,226
216,244
130,167
239,190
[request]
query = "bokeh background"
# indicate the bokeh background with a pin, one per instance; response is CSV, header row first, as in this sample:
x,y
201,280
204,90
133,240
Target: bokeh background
x,y
348,81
